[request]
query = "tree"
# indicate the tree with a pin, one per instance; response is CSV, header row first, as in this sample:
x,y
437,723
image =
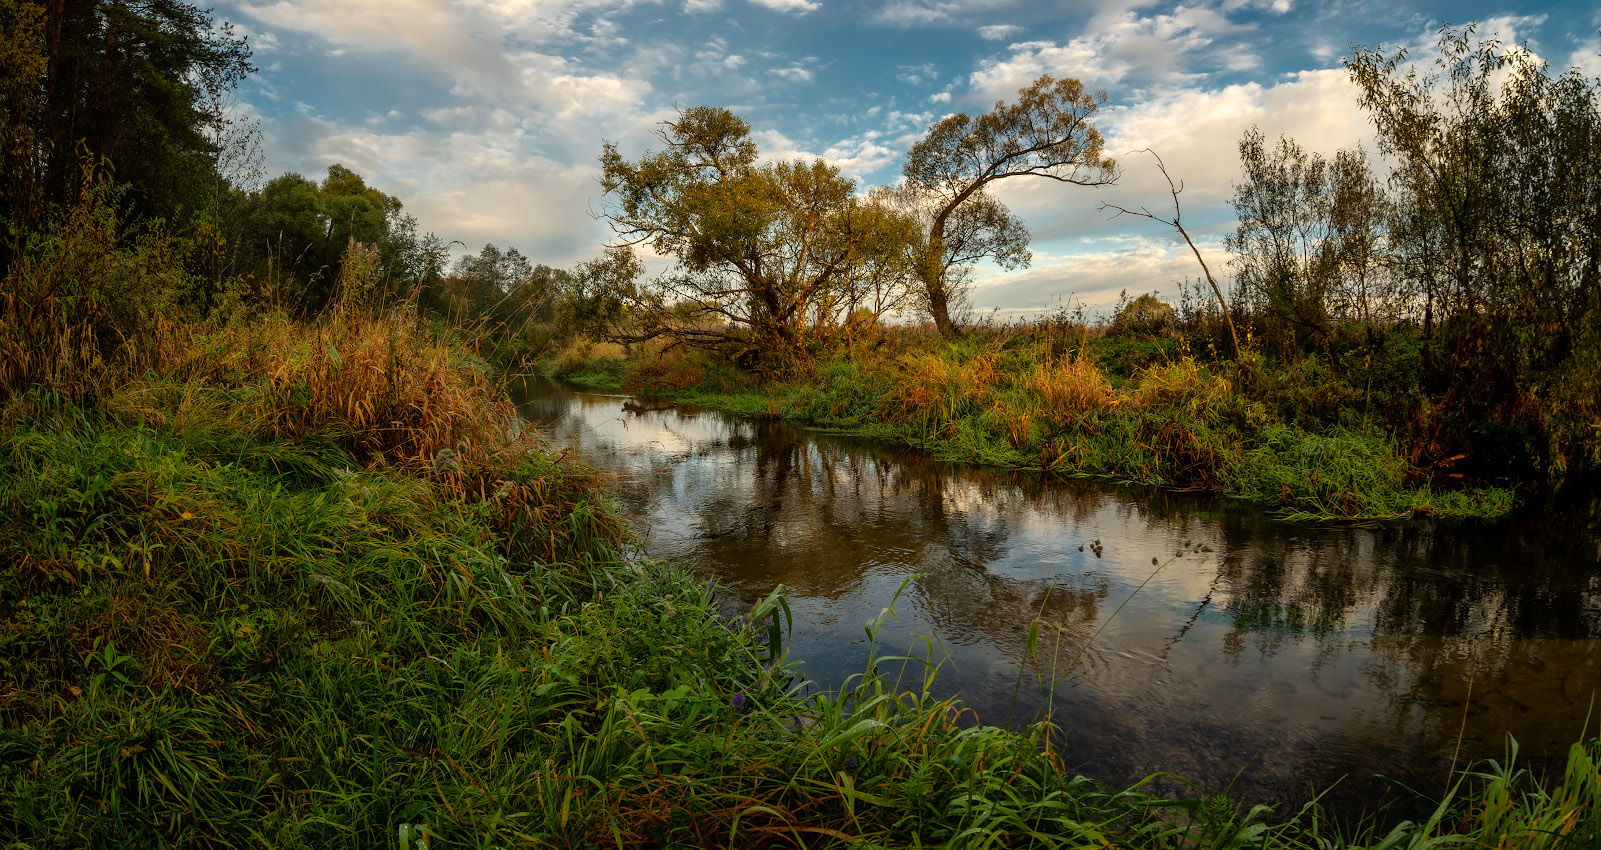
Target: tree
x,y
595,302
23,61
980,228
1498,235
1046,133
300,231
762,251
486,280
1310,239
128,82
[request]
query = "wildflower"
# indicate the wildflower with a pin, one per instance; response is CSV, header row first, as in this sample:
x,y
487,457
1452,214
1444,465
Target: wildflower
x,y
738,702
850,763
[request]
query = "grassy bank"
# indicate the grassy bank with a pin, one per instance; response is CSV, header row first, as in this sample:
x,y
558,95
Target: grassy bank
x,y
301,585
1296,437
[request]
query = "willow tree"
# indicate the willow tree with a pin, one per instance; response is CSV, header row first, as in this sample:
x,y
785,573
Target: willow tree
x,y
1046,133
765,253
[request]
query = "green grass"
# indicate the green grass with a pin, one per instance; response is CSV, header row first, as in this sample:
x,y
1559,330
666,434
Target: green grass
x,y
1297,441
229,617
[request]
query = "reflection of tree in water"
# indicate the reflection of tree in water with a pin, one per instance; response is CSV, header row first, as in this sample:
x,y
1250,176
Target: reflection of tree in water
x,y
818,517
1383,630
1476,632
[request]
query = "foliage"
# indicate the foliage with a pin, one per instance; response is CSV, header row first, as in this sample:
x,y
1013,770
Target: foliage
x,y
128,83
1309,243
766,254
1293,437
85,296
1145,315
1499,236
1046,133
298,231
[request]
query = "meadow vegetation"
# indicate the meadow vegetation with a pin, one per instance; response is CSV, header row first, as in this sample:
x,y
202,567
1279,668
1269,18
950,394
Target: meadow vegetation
x,y
280,567
1074,400
290,583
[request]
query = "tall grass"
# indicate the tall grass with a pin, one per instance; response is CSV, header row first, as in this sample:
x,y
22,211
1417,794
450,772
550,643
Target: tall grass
x,y
276,583
1084,408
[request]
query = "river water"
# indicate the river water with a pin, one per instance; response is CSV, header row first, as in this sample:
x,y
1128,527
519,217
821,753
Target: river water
x,y
1270,659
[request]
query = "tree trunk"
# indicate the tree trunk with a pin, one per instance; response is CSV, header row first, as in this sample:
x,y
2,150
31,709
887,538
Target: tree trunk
x,y
939,309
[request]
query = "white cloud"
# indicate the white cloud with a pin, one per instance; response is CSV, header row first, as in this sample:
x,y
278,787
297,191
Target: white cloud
x,y
793,73
1093,276
692,7
998,32
917,74
1587,58
799,7
497,187
913,13
940,97
861,155
1124,49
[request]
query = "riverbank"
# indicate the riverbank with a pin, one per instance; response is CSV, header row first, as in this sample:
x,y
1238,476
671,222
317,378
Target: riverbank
x,y
1294,438
298,585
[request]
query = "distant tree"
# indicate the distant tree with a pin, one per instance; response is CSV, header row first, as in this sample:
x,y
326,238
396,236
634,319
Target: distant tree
x,y
762,251
285,233
299,231
1046,133
595,302
486,281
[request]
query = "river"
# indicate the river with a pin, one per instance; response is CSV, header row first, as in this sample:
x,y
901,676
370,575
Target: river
x,y
1269,659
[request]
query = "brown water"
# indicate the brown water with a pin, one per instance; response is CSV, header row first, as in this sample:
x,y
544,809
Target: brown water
x,y
1271,658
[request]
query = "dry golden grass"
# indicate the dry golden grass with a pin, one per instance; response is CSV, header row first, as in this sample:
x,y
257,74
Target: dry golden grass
x,y
399,395
1070,386
1182,384
937,387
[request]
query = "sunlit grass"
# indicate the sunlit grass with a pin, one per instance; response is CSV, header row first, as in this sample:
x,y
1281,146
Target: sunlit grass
x,y
1066,408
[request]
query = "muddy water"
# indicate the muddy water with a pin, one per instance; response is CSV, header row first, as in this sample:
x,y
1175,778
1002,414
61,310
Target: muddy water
x,y
1269,659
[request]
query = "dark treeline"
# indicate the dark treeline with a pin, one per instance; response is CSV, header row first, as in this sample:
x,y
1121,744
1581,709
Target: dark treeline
x,y
123,150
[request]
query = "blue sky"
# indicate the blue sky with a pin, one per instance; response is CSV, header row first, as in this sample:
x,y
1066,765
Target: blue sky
x,y
486,117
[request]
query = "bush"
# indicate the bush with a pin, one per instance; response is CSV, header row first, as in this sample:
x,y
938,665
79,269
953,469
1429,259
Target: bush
x,y
1145,316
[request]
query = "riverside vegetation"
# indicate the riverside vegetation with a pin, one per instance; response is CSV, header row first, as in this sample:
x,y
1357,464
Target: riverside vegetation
x,y
1424,344
279,568
286,583
1070,399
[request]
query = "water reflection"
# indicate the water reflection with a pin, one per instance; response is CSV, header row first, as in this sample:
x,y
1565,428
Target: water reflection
x,y
1274,658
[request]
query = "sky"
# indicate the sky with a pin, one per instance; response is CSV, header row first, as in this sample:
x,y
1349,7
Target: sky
x,y
486,117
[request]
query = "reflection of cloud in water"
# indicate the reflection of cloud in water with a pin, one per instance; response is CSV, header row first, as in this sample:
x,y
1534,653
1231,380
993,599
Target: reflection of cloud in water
x,y
1294,654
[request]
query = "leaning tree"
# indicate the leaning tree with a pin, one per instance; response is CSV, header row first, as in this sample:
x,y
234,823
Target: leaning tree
x,y
1046,133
